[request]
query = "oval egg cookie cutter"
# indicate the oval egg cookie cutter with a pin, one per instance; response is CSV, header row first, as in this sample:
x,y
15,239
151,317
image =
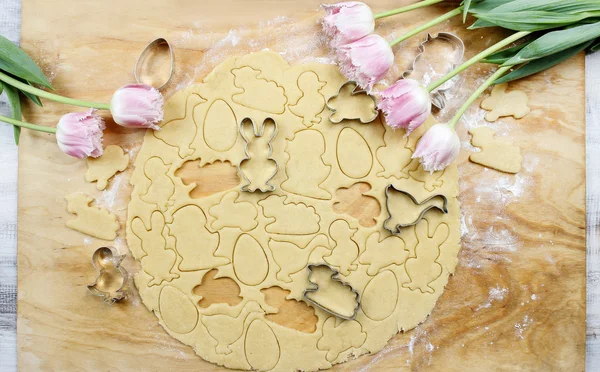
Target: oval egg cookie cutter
x,y
146,52
437,96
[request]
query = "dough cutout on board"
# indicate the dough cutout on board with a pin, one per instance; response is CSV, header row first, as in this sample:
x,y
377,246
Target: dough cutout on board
x,y
90,220
503,103
101,169
261,243
495,153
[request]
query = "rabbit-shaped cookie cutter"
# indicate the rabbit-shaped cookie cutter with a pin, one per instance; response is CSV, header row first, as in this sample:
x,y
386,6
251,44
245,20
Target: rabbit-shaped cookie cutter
x,y
437,96
263,184
396,228
112,276
355,91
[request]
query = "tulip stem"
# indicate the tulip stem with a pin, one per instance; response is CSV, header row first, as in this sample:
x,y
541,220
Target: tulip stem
x,y
494,48
51,96
21,124
404,9
477,93
427,25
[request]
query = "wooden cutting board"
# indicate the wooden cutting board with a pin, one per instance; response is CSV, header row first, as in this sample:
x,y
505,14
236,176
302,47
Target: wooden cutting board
x,y
515,303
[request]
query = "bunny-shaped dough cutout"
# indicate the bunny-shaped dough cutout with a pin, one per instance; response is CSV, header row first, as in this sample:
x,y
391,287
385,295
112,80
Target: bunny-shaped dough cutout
x,y
424,268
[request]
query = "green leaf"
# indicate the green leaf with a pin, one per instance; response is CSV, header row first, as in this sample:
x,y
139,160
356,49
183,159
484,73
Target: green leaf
x,y
480,23
484,6
533,20
505,54
554,42
466,6
555,6
16,62
542,64
15,107
594,48
33,97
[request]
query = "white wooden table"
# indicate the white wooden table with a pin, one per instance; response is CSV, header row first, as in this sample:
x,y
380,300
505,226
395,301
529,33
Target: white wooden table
x,y
10,18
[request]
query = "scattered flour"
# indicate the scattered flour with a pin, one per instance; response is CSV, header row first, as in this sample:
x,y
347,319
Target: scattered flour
x,y
495,294
522,326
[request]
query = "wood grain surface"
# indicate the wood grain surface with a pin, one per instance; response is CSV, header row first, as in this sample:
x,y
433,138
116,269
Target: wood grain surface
x,y
517,301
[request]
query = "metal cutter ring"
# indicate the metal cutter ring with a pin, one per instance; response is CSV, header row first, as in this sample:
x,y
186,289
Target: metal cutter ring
x,y
142,57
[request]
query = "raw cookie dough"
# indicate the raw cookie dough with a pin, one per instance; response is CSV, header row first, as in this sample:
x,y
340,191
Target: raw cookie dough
x,y
101,169
93,221
495,153
500,103
265,240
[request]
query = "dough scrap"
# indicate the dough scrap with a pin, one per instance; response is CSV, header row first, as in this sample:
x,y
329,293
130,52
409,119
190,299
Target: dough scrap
x,y
495,153
502,103
101,169
265,240
93,221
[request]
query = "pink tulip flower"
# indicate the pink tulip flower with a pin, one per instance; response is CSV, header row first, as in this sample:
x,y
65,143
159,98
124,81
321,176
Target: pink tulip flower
x,y
406,104
79,134
438,147
347,22
366,60
137,106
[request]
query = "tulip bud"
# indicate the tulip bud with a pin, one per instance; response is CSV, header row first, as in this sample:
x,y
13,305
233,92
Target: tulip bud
x,y
366,60
438,147
406,104
79,134
137,106
347,22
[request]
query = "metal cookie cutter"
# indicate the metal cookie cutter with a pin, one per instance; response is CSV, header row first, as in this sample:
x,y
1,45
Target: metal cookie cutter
x,y
396,229
437,96
112,278
258,133
149,48
315,288
355,91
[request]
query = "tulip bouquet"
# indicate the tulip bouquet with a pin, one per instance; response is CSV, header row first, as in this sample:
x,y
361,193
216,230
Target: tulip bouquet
x,y
78,134
547,32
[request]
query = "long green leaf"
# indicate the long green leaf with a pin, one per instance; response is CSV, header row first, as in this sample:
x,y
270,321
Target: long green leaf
x,y
533,20
505,54
542,64
554,42
33,97
16,62
15,107
466,6
484,6
555,6
594,48
480,23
